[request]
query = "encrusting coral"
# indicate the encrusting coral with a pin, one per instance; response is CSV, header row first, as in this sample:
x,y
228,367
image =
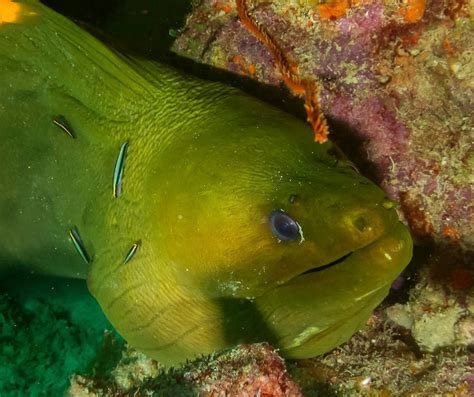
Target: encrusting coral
x,y
247,371
309,89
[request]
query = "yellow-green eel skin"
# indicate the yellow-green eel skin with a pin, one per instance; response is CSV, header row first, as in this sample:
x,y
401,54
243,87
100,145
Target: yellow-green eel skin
x,y
205,168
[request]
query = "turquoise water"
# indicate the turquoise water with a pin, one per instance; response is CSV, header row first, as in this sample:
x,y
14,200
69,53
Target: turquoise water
x,y
49,329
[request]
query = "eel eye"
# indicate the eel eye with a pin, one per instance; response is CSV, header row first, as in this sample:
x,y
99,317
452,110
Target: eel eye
x,y
283,227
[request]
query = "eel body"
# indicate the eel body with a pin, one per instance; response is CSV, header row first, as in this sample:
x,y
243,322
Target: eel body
x,y
200,216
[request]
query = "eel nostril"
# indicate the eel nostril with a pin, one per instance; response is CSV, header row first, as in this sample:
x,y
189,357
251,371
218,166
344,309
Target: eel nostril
x,y
361,224
389,204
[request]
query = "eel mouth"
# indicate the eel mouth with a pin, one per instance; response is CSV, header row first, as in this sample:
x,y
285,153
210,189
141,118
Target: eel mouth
x,y
324,267
323,306
383,258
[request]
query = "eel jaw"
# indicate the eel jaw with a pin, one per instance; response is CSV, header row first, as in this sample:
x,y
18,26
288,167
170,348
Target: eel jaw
x,y
322,308
328,265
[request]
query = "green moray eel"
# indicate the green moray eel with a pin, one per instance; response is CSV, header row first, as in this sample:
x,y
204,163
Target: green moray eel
x,y
200,216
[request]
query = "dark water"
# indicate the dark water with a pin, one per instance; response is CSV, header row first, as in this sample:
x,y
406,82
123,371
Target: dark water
x,y
146,27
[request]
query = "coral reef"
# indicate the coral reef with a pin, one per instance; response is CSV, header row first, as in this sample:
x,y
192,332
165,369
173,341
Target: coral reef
x,y
49,329
437,315
247,371
396,84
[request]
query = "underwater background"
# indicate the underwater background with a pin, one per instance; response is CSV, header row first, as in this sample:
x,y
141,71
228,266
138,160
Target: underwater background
x,y
54,337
